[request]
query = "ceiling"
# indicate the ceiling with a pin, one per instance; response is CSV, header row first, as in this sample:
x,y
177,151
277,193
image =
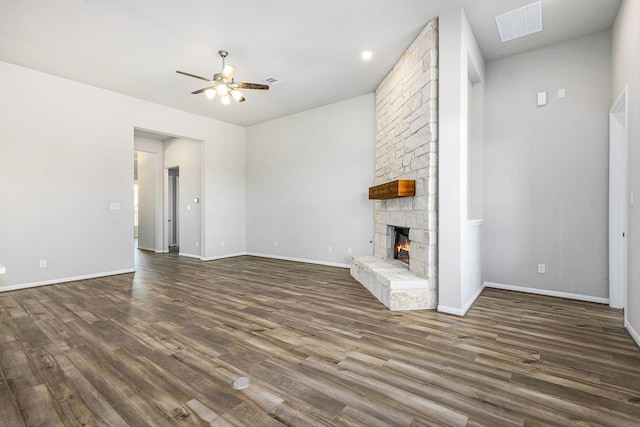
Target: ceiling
x,y
313,48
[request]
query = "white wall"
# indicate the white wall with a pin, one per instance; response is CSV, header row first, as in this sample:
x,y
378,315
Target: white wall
x,y
308,176
545,169
626,71
67,154
184,154
459,250
224,177
475,141
150,193
146,201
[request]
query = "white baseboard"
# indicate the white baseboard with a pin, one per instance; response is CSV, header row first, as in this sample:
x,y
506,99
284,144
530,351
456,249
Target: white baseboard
x,y
64,280
472,300
161,251
189,255
308,261
144,248
547,292
461,311
213,258
634,334
450,310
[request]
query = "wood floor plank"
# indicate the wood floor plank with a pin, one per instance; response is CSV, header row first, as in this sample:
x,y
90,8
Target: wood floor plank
x,y
162,347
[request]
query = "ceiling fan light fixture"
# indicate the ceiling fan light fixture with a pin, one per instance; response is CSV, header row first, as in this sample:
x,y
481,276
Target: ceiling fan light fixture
x,y
211,93
224,85
237,95
228,72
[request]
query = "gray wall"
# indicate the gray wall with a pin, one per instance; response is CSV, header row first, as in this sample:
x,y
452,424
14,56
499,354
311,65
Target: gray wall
x,y
308,176
545,169
626,71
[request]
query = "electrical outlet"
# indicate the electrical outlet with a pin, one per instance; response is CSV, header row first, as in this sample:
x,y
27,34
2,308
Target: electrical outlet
x,y
542,269
330,249
197,244
222,243
275,243
43,263
349,251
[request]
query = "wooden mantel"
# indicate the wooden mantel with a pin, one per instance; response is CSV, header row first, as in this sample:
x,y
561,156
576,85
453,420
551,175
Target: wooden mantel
x,y
393,189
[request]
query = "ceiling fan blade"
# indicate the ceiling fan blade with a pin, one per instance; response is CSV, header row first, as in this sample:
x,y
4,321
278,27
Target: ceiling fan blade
x,y
196,92
256,86
193,75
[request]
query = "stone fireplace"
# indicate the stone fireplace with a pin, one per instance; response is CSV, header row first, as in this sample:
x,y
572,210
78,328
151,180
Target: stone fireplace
x,y
406,149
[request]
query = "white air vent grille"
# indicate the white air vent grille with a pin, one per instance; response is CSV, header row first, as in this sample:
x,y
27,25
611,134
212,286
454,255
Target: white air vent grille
x,y
271,81
520,22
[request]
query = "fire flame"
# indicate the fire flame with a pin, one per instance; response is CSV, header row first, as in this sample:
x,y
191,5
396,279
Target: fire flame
x,y
404,246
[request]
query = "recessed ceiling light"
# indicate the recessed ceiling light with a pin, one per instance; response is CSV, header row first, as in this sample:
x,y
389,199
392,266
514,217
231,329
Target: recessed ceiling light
x,y
367,55
520,22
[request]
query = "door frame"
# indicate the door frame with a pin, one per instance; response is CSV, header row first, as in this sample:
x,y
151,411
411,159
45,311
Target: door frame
x,y
618,201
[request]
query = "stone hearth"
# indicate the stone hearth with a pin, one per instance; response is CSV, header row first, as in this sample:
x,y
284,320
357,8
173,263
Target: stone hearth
x,y
391,282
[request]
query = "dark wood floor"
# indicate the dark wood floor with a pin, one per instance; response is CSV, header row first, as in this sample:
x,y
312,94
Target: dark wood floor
x,y
161,347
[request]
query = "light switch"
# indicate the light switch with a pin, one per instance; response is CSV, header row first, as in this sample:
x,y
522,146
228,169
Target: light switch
x,y
114,206
542,99
561,93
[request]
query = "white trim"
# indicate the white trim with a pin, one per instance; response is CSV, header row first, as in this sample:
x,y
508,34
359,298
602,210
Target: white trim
x,y
213,258
142,248
474,222
189,255
547,292
472,300
635,335
463,310
64,280
308,261
162,251
3,269
450,310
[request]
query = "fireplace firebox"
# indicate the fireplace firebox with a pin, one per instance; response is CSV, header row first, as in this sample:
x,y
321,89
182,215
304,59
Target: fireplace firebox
x,y
401,244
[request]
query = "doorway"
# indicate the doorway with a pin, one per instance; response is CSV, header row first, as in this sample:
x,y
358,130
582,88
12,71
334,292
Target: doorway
x,y
618,208
173,201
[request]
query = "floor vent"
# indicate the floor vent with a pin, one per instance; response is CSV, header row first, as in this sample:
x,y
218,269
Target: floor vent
x,y
241,383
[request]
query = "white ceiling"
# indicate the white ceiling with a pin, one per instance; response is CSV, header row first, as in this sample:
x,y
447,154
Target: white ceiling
x,y
134,47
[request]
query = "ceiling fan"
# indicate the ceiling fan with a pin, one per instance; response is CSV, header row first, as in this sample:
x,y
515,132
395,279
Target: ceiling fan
x,y
223,83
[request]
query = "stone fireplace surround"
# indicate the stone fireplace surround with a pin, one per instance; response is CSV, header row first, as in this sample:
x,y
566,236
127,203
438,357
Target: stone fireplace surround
x,y
406,148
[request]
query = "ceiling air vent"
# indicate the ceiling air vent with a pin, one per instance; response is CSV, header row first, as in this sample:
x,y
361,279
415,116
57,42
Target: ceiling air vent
x,y
520,22
271,81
